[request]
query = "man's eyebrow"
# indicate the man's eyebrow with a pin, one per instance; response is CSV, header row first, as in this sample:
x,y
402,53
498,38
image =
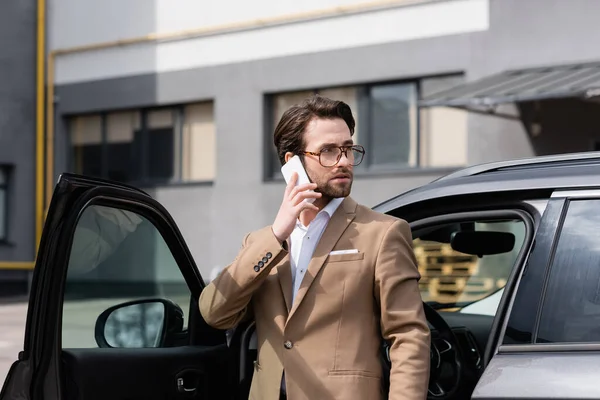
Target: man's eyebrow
x,y
346,143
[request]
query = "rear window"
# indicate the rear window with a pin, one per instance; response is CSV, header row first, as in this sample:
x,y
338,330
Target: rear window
x,y
571,308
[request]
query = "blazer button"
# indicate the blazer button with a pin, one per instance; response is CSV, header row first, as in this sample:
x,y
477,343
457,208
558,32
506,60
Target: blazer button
x,y
256,268
269,255
261,264
288,345
265,260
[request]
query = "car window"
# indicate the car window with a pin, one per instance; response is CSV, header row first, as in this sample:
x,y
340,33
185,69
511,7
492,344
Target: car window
x,y
120,257
571,308
464,280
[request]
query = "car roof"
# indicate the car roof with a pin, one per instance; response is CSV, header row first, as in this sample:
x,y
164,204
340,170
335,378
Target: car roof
x,y
572,170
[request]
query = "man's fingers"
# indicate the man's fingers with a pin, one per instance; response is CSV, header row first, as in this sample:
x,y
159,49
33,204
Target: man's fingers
x,y
305,195
305,205
290,186
302,188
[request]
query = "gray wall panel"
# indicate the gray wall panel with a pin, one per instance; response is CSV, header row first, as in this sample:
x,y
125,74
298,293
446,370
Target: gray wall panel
x,y
527,34
17,123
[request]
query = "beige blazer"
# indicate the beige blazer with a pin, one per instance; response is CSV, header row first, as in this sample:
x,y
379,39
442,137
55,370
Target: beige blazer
x,y
328,341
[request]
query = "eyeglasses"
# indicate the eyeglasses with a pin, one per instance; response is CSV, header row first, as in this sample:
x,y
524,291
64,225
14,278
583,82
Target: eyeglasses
x,y
330,156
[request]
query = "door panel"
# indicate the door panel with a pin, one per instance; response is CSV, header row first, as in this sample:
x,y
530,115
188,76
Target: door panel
x,y
540,376
556,355
140,374
521,369
113,308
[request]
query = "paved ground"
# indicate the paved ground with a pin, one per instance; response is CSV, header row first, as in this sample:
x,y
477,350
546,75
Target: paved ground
x,y
12,328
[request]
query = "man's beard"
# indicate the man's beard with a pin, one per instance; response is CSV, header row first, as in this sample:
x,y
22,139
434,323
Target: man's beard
x,y
332,191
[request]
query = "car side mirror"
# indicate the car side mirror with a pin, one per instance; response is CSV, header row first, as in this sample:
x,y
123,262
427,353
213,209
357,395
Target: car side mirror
x,y
139,323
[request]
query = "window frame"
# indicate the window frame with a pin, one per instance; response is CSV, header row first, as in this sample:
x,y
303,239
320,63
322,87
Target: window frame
x,y
492,216
365,125
198,331
547,242
4,213
365,169
161,225
514,210
42,339
178,136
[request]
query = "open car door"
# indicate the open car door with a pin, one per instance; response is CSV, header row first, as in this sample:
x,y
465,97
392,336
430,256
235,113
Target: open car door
x,y
113,310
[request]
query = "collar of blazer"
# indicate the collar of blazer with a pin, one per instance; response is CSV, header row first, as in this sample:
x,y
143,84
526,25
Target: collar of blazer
x,y
340,220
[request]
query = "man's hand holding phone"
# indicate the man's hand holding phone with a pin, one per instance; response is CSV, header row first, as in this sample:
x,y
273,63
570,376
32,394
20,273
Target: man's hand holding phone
x,y
292,205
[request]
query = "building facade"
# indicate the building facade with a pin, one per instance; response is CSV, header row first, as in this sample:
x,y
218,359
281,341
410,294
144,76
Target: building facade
x,y
18,135
180,98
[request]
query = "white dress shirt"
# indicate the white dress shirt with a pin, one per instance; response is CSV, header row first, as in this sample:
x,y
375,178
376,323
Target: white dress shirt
x,y
302,244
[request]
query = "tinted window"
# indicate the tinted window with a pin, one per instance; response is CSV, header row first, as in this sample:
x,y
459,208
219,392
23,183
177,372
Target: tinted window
x,y
395,131
146,146
160,164
394,121
119,257
521,322
571,310
466,282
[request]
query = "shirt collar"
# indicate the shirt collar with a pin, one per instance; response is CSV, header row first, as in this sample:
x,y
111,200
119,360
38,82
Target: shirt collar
x,y
332,206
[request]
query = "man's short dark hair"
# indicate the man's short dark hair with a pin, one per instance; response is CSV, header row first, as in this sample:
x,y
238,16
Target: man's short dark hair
x,y
289,133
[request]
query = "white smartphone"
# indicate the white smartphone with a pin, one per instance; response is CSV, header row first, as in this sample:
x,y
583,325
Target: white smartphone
x,y
295,165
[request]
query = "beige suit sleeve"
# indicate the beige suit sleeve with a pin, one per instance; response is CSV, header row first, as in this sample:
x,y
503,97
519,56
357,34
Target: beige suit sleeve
x,y
225,301
403,321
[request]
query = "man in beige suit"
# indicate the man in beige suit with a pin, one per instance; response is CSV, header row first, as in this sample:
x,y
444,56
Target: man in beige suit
x,y
327,280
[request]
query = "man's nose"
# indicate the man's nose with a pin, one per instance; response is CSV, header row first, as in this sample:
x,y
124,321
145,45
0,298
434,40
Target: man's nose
x,y
344,162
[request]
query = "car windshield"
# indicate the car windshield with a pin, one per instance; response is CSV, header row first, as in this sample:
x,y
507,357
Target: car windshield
x,y
459,270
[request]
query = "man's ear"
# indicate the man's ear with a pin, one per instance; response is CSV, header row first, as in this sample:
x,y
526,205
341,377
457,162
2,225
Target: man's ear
x,y
288,155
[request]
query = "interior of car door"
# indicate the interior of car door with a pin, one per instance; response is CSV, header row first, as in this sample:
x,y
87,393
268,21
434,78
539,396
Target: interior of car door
x,y
113,311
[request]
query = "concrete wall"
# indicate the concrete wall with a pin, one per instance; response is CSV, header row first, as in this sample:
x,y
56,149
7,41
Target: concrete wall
x,y
567,125
76,23
17,126
526,34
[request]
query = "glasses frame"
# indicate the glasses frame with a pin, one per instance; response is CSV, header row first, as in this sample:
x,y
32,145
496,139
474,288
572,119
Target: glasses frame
x,y
343,150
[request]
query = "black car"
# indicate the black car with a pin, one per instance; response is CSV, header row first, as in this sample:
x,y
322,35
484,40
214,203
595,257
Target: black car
x,y
509,254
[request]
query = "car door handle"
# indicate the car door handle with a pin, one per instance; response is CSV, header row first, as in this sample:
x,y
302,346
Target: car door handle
x,y
188,381
181,387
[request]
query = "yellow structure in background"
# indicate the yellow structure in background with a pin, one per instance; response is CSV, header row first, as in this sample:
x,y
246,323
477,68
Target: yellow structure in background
x,y
448,276
39,138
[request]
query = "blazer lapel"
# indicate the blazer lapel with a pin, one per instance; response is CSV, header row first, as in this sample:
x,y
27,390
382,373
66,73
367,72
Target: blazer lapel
x,y
335,228
284,273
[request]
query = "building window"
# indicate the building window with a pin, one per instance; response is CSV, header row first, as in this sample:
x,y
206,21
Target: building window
x,y
395,132
86,141
199,143
3,203
392,125
150,146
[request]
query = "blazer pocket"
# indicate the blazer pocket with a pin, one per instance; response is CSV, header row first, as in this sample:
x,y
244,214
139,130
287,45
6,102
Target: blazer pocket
x,y
347,372
345,257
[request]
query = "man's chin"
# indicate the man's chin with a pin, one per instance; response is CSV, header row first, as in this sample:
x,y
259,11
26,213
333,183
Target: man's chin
x,y
337,191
